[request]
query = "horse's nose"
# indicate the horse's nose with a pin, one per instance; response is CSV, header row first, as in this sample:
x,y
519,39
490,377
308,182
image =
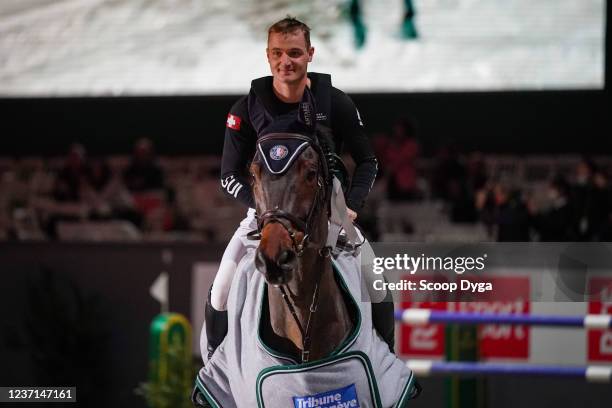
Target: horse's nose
x,y
276,272
287,260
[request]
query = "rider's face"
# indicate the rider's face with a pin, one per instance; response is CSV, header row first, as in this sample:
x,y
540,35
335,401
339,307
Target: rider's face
x,y
288,56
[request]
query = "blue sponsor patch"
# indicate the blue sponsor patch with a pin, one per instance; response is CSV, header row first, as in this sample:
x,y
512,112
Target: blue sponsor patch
x,y
341,398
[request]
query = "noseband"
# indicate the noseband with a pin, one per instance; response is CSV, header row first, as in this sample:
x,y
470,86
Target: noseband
x,y
293,224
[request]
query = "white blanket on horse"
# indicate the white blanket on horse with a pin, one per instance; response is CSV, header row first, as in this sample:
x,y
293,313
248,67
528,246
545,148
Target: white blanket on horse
x,y
243,372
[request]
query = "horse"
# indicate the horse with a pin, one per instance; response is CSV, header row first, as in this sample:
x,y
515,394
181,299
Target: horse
x,y
294,258
296,331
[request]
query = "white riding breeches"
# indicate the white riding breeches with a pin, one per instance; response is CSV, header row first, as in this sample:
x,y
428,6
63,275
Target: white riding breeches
x,y
236,249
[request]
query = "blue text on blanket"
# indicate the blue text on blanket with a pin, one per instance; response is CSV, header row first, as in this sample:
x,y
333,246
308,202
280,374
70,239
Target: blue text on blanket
x,y
345,397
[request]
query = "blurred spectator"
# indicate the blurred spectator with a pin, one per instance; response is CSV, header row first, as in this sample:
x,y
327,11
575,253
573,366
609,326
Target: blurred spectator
x,y
144,178
554,223
581,197
98,174
66,204
71,176
450,183
143,173
590,201
504,212
106,195
448,170
512,215
476,170
600,214
86,189
399,161
484,202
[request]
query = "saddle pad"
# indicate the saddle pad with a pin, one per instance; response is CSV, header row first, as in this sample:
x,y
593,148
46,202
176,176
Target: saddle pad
x,y
321,384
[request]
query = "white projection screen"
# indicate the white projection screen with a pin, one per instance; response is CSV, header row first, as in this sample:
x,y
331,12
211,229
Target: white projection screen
x,y
211,47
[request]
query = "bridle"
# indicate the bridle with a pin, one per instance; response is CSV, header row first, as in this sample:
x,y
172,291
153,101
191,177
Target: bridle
x,y
293,225
290,222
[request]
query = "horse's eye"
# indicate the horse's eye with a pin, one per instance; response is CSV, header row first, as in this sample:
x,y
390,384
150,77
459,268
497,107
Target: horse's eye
x,y
311,175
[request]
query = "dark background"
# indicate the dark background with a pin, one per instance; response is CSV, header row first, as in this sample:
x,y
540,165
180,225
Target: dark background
x,y
79,314
509,122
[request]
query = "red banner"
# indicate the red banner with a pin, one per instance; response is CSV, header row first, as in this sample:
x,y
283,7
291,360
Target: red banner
x,y
600,341
496,341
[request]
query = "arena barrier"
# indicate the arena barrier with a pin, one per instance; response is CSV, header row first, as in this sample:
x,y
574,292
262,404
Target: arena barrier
x,y
590,373
602,374
426,316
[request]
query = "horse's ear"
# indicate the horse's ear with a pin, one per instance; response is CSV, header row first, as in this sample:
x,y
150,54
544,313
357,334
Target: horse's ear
x,y
256,158
254,169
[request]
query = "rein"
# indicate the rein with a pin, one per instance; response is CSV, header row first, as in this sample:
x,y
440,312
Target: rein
x,y
304,331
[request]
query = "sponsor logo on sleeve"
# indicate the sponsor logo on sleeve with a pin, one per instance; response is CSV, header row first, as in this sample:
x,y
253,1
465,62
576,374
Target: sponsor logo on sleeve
x,y
233,121
341,398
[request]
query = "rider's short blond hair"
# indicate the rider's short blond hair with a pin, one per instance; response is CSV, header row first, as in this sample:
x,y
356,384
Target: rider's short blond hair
x,y
289,25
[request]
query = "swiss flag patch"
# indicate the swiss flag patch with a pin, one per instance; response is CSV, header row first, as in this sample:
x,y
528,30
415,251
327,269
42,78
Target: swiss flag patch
x,y
233,121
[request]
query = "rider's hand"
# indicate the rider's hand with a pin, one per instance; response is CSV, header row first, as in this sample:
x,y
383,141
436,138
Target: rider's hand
x,y
351,214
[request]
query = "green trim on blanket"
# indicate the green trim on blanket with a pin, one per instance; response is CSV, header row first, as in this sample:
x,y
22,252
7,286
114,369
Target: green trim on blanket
x,y
207,394
345,345
360,356
270,350
348,342
406,392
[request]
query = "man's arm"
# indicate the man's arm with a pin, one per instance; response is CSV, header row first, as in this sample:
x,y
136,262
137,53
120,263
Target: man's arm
x,y
238,149
347,124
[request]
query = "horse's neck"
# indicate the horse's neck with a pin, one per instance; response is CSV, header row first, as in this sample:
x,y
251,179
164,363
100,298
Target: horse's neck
x,y
331,322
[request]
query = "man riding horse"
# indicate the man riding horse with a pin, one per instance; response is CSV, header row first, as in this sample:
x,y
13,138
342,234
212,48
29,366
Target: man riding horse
x,y
282,101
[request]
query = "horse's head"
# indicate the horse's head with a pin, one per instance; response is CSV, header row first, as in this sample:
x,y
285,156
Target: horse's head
x,y
290,190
